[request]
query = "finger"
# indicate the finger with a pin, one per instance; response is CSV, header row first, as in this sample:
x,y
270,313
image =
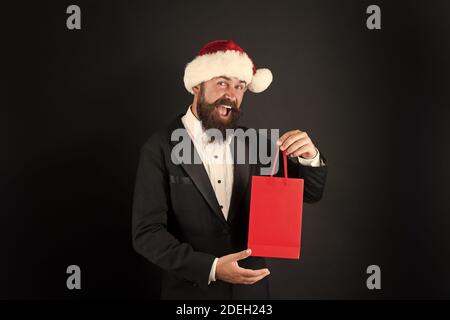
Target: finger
x,y
250,273
285,136
309,148
297,145
255,279
244,254
291,139
238,255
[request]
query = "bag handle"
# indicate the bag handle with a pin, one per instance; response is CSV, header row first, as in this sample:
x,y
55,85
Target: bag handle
x,y
284,163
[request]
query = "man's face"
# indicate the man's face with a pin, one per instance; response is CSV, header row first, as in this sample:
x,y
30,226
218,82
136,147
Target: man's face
x,y
219,102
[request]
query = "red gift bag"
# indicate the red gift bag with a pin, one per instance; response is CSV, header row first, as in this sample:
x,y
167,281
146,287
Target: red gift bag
x,y
276,215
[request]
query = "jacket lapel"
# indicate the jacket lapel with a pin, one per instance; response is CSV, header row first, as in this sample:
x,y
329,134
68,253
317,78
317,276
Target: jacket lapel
x,y
241,177
199,176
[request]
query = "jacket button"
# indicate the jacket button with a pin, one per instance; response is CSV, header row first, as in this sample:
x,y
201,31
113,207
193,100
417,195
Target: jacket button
x,y
194,284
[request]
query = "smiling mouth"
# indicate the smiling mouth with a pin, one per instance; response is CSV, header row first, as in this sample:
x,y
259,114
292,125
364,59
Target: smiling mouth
x,y
224,110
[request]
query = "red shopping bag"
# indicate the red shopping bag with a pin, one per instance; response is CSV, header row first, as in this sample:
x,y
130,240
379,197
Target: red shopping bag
x,y
276,215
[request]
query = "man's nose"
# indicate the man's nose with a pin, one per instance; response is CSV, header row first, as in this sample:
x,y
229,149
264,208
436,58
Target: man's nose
x,y
230,95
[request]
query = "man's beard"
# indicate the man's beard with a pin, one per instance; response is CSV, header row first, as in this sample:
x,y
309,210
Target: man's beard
x,y
211,120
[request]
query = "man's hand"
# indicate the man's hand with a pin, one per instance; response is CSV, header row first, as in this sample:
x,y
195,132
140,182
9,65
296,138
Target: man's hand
x,y
298,144
228,270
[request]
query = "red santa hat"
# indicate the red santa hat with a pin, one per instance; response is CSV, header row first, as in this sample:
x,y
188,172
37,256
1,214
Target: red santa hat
x,y
225,58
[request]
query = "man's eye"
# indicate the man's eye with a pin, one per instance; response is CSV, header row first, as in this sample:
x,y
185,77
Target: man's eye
x,y
221,83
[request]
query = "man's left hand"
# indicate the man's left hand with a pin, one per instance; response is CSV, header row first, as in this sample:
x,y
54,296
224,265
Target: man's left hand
x,y
298,144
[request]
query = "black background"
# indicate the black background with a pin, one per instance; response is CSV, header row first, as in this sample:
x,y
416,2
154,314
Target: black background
x,y
80,104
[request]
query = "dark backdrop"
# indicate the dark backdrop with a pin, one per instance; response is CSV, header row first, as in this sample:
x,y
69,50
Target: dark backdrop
x,y
80,104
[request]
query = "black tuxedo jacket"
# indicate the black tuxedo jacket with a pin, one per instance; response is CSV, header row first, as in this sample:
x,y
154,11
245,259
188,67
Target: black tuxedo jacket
x,y
179,226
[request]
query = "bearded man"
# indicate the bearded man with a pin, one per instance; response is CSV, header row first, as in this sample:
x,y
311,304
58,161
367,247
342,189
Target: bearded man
x,y
191,219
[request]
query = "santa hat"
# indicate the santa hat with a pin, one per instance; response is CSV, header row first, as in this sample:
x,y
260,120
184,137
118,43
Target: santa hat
x,y
225,58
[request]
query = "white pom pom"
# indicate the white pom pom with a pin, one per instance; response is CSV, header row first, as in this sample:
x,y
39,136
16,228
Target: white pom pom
x,y
261,80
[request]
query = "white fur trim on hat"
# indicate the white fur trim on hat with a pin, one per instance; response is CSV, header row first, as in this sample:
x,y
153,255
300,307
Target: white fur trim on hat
x,y
261,80
228,63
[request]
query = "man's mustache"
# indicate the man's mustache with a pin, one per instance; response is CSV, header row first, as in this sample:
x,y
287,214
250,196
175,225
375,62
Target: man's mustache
x,y
225,101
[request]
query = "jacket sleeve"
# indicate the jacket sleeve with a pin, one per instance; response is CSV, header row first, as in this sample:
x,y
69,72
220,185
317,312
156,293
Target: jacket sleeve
x,y
314,178
151,237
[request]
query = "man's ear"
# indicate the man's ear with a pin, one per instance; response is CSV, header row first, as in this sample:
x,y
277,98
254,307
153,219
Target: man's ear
x,y
196,89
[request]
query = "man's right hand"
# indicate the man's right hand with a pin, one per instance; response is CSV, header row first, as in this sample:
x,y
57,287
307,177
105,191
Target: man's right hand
x,y
228,270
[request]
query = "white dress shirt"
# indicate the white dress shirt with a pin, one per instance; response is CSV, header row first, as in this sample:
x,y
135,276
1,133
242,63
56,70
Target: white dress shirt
x,y
217,159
